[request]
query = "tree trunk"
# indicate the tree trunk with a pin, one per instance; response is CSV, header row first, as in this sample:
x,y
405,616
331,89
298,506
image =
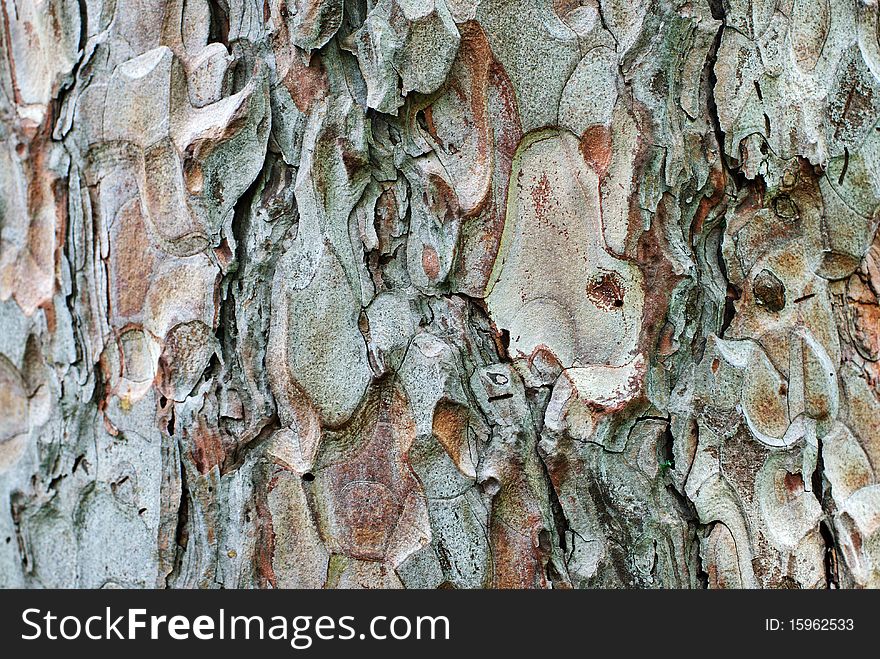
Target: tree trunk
x,y
440,293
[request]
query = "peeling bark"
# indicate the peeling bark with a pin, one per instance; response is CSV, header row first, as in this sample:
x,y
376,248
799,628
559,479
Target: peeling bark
x,y
440,293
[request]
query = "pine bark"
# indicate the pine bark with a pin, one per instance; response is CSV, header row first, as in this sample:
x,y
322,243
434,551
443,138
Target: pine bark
x,y
440,293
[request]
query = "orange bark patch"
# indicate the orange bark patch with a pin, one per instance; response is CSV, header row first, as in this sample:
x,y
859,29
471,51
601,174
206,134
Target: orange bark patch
x,y
306,82
369,490
430,262
207,448
449,427
595,148
131,262
794,483
517,555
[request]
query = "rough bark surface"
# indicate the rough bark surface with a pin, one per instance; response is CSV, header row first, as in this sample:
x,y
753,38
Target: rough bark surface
x,y
439,293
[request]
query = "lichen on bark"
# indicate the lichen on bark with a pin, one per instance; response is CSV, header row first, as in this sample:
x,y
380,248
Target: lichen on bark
x,y
440,293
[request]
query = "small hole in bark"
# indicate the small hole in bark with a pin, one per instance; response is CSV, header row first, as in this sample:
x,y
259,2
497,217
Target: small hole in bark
x,y
490,486
422,120
504,338
308,477
606,291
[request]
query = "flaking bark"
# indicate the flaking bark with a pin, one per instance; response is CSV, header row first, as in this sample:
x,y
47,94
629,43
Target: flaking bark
x,y
439,293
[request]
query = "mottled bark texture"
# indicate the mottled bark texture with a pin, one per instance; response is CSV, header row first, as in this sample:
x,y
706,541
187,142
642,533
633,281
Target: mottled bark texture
x,y
440,293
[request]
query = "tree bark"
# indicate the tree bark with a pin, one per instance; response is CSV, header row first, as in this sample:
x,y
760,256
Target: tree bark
x,y
440,293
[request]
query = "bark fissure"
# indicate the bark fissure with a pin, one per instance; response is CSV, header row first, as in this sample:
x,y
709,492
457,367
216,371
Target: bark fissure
x,y
439,294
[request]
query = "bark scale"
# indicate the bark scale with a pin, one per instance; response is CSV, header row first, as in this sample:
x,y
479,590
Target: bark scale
x,y
439,293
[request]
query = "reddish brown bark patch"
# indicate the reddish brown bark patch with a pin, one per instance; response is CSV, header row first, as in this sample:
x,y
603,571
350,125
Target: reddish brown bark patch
x,y
306,82
607,291
430,262
207,449
595,147
449,426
